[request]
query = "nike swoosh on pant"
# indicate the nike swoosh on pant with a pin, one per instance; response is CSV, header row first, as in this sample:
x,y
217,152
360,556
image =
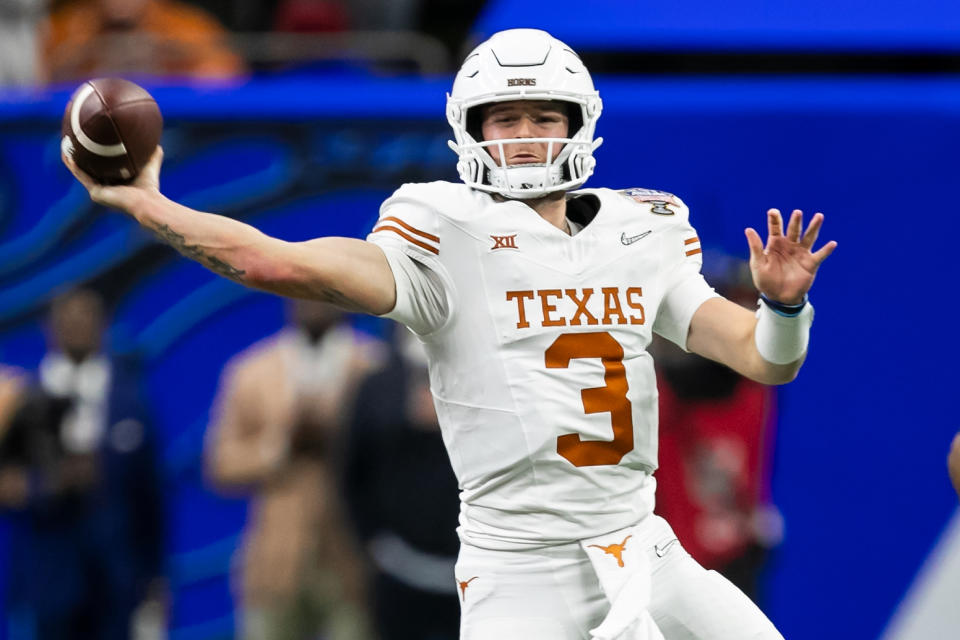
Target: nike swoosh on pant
x,y
662,549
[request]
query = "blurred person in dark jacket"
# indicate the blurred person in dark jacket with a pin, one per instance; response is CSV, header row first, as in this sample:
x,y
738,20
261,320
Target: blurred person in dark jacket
x,y
82,488
403,497
277,436
716,433
88,38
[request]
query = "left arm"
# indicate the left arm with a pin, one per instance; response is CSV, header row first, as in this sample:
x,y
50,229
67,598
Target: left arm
x,y
783,271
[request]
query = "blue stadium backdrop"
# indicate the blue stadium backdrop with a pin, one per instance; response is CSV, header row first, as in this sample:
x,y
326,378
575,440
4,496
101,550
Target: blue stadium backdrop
x,y
757,26
862,436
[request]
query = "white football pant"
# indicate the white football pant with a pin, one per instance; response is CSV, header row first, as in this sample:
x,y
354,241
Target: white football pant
x,y
632,584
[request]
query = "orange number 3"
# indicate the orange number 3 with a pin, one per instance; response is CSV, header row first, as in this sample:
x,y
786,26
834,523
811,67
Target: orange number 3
x,y
610,398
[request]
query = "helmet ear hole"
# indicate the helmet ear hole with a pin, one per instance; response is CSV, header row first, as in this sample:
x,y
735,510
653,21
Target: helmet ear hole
x,y
475,123
575,116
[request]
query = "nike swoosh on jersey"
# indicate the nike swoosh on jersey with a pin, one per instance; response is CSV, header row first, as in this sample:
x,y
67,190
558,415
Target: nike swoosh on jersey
x,y
630,240
662,549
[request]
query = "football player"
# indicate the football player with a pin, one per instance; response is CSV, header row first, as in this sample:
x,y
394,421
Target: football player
x,y
536,301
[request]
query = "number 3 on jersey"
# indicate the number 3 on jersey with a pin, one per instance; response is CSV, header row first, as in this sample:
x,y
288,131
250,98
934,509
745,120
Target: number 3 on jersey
x,y
610,398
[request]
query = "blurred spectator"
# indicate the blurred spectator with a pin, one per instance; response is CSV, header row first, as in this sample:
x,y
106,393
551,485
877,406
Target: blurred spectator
x,y
241,15
11,388
447,21
953,463
13,480
716,431
383,14
160,37
20,22
311,16
450,21
83,489
278,435
403,497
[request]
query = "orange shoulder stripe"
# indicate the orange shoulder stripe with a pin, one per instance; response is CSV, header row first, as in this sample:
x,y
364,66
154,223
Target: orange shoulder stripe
x,y
411,229
408,238
694,252
691,240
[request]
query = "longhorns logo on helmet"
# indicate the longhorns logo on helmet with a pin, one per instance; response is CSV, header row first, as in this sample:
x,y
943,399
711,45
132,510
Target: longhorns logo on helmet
x,y
524,64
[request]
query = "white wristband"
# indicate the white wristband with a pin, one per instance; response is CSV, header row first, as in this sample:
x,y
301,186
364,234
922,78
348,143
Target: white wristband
x,y
781,339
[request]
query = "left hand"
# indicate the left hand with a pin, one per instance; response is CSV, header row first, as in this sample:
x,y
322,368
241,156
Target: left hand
x,y
785,269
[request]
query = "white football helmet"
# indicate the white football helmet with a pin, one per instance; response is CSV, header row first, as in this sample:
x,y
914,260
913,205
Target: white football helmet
x,y
523,64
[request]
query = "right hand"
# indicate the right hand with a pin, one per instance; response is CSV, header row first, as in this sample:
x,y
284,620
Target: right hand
x,y
123,197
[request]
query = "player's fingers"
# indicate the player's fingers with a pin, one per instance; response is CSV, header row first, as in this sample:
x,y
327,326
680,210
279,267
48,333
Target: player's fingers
x,y
156,158
795,225
813,231
72,167
754,243
150,175
68,163
774,223
824,252
88,182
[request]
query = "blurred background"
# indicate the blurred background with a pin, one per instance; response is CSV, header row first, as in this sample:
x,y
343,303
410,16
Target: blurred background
x,y
189,459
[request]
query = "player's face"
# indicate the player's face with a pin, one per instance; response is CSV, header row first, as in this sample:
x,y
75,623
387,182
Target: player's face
x,y
524,119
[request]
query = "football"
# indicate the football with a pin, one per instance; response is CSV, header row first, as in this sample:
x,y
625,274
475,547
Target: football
x,y
111,127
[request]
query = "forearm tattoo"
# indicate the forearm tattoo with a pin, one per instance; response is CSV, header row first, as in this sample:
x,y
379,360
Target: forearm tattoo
x,y
337,298
178,242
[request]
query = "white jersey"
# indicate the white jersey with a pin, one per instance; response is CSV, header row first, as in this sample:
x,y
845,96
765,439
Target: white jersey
x,y
537,342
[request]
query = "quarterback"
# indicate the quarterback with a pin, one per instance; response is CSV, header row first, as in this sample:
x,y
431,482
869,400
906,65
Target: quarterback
x,y
536,300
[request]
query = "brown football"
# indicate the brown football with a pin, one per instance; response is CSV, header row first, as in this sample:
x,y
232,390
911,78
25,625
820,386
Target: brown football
x,y
111,127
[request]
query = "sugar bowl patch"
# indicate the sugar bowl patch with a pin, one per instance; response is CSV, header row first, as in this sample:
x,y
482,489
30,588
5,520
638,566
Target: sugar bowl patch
x,y
659,201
